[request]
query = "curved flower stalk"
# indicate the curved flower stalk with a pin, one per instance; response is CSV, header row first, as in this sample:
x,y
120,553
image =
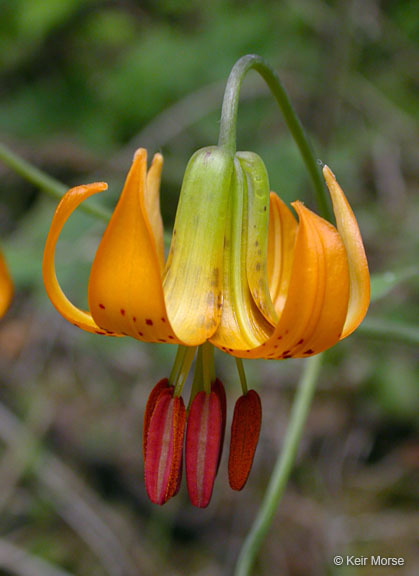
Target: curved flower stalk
x,y
244,274
6,286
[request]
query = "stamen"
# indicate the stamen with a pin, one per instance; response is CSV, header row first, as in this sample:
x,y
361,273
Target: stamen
x,y
160,387
164,446
245,430
202,447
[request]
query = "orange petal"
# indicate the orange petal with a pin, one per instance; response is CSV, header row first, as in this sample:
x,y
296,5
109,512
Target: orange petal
x,y
331,305
317,298
125,286
6,286
67,205
359,293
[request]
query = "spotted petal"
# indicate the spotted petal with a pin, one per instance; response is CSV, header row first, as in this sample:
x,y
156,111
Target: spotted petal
x,y
125,286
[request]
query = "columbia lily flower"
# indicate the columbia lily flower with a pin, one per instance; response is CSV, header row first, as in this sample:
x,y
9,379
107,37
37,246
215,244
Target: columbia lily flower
x,y
6,286
243,274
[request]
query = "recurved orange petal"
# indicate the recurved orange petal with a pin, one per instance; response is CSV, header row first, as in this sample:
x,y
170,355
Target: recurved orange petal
x,y
329,311
65,208
359,292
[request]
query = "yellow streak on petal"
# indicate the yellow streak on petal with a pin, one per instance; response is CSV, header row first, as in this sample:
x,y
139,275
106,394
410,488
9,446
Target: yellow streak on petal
x,y
359,291
125,285
152,204
6,286
67,205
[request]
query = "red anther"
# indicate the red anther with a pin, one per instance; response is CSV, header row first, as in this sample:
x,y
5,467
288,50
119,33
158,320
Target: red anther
x,y
245,430
218,388
202,449
163,459
149,409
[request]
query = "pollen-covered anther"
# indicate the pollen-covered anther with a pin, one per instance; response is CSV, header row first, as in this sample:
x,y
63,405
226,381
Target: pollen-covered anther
x,y
245,430
203,445
160,387
163,444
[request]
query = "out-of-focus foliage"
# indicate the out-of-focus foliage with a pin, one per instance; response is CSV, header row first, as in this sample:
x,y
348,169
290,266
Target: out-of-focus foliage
x,y
82,83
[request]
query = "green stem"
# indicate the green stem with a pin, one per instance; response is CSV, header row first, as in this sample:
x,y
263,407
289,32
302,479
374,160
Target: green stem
x,y
208,371
227,138
184,370
47,183
177,364
242,374
283,467
197,384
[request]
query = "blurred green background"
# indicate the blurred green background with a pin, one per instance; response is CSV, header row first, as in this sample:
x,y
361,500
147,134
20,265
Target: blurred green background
x,y
82,84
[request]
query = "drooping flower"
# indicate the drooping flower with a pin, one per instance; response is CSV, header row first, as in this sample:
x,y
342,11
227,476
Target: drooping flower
x,y
6,286
242,274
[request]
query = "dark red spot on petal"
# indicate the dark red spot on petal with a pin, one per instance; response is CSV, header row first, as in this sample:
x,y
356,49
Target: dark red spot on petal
x,y
163,319
310,351
171,337
134,319
102,306
284,356
122,312
149,322
300,341
100,332
162,340
286,352
140,333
